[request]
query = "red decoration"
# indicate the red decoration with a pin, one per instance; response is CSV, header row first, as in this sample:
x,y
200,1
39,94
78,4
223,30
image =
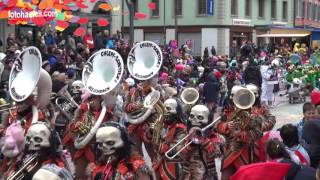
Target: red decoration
x,y
105,6
152,6
81,5
315,97
102,22
62,24
80,31
139,15
39,21
84,20
92,1
11,3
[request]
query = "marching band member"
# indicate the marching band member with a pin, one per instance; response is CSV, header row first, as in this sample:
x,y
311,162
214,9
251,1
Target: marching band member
x,y
84,117
243,125
174,130
199,157
114,158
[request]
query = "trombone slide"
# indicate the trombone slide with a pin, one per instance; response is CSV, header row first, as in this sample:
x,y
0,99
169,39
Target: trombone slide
x,y
190,142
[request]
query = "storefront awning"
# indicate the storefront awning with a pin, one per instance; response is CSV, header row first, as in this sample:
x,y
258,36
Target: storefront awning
x,y
286,32
283,35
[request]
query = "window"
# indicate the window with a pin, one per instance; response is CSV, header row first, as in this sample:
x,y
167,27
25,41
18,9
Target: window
x,y
248,8
178,6
273,9
285,10
303,8
234,7
315,12
202,7
261,8
319,13
309,10
136,6
155,12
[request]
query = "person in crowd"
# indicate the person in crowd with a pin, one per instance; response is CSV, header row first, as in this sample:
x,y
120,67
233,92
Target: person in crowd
x,y
213,51
309,111
88,40
289,135
99,41
211,91
276,152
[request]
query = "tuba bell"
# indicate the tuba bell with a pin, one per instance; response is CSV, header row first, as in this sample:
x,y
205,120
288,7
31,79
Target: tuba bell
x,y
27,77
101,76
189,96
242,97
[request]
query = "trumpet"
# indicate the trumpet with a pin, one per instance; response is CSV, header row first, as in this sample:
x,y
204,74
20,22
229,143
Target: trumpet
x,y
28,167
167,154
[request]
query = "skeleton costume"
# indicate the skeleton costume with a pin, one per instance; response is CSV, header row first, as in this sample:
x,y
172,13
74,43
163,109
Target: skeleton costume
x,y
85,117
114,159
12,146
199,157
173,131
242,130
141,131
42,147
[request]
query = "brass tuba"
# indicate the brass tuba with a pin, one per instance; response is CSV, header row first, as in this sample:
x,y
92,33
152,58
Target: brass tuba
x,y
144,61
26,76
101,75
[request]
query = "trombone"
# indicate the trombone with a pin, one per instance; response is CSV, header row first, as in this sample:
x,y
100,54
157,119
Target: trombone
x,y
167,154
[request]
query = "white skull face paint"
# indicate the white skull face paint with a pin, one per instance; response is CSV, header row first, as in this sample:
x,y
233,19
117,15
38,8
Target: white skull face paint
x,y
253,88
171,106
38,136
77,87
199,115
109,140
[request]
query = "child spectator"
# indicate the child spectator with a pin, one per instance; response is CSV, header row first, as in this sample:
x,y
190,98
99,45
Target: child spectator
x,y
289,135
308,110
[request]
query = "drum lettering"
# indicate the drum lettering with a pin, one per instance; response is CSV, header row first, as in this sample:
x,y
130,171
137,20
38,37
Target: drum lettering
x,y
34,52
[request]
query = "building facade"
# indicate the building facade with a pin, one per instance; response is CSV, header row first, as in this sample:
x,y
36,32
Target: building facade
x,y
307,16
210,22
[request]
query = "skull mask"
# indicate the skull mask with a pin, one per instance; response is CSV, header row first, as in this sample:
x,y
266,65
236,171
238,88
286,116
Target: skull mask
x,y
253,88
38,136
199,116
109,140
171,110
77,87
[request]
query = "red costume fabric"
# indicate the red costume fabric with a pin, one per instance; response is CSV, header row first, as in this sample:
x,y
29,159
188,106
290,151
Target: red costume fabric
x,y
68,138
242,147
265,171
122,171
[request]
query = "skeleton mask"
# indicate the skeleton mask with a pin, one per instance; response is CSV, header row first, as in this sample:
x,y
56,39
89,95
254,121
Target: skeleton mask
x,y
171,106
38,136
109,140
199,116
77,87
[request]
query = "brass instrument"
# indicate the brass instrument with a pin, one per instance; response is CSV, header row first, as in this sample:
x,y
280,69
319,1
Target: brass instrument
x,y
29,166
7,107
242,97
66,106
153,100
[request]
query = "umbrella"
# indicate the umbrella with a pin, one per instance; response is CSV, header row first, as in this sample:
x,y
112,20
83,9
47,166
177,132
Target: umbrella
x,y
265,171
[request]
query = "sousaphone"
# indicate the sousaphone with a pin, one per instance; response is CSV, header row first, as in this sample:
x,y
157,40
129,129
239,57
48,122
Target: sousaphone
x,y
101,75
144,62
26,76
